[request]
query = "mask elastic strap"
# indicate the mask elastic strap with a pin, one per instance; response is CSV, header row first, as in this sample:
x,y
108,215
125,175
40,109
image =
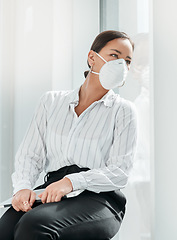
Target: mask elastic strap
x,y
100,57
94,72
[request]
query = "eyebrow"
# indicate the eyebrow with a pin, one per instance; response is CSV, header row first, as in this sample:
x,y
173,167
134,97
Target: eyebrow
x,y
120,53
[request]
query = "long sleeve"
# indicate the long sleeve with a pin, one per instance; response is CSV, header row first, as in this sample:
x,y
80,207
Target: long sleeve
x,y
31,154
117,167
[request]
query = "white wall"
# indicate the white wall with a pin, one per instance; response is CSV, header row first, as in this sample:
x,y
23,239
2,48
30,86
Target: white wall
x,y
6,93
85,29
32,59
52,39
62,61
165,119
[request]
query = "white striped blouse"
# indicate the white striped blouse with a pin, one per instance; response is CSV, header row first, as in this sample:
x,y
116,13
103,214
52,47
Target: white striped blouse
x,y
103,138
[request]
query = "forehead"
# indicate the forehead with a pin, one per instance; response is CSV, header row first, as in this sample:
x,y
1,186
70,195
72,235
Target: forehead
x,y
122,45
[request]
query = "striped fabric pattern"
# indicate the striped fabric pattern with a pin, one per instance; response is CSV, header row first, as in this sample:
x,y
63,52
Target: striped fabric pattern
x,y
103,138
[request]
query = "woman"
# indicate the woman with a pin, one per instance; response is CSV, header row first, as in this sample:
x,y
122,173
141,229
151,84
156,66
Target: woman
x,y
85,140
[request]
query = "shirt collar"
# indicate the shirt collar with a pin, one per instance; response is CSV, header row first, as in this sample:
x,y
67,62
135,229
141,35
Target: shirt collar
x,y
107,99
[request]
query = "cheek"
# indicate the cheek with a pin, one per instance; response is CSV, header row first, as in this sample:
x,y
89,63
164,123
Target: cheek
x,y
98,66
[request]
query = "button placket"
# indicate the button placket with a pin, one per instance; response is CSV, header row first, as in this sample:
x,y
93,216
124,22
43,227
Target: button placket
x,y
75,125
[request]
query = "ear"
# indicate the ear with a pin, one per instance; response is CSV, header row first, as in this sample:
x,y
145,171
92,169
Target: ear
x,y
91,58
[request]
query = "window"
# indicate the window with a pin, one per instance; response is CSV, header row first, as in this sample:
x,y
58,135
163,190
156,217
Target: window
x,y
132,17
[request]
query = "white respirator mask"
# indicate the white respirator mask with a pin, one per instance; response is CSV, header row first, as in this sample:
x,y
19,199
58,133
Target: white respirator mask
x,y
113,73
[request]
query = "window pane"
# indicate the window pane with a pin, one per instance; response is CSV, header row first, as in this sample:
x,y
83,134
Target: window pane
x,y
132,17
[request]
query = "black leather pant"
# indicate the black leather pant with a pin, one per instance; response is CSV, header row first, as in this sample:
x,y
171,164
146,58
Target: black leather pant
x,y
87,216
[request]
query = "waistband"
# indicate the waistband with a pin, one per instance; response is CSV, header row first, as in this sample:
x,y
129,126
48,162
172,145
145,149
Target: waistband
x,y
60,173
116,198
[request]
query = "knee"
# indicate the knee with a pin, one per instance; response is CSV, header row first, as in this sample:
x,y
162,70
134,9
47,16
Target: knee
x,y
25,227
33,226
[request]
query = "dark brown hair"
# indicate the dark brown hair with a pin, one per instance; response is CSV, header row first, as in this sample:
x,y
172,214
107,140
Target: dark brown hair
x,y
103,38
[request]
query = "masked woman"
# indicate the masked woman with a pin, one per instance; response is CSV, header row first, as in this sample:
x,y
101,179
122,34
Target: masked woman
x,y
83,139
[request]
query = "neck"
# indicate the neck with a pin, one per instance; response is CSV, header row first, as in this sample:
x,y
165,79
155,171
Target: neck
x,y
91,90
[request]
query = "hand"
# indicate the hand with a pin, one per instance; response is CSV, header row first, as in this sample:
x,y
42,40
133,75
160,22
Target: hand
x,y
55,191
23,200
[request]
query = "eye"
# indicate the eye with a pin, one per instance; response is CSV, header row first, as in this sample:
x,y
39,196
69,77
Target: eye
x,y
128,62
114,55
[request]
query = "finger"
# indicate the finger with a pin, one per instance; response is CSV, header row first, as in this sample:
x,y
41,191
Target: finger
x,y
32,198
27,209
15,207
25,206
40,196
16,200
19,207
21,197
25,203
49,198
44,196
58,198
13,201
53,198
16,203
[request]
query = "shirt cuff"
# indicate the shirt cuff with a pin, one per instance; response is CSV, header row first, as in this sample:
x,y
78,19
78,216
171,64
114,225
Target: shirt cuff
x,y
78,181
20,187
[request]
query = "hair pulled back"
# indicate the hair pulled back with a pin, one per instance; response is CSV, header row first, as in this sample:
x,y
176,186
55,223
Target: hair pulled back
x,y
103,38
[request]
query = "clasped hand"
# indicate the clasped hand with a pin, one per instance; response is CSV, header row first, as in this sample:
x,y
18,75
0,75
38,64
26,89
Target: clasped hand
x,y
25,198
55,191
